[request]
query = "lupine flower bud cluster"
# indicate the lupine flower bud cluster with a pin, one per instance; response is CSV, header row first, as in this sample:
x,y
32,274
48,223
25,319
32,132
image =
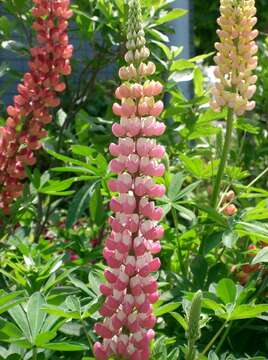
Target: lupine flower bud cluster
x,y
131,288
236,57
228,208
50,60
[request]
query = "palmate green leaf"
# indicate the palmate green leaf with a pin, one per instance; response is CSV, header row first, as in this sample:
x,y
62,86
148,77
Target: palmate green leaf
x,y
51,324
201,131
54,280
5,298
60,312
187,190
44,338
229,238
259,213
9,330
92,307
198,82
248,311
247,125
36,316
210,115
212,356
166,209
199,269
213,305
57,185
158,35
5,27
4,69
22,343
159,349
74,169
211,242
167,308
252,192
15,46
172,15
79,203
181,64
96,207
51,267
180,319
13,278
226,291
19,316
202,57
213,215
77,11
194,165
166,49
120,4
73,303
175,186
261,257
83,150
94,283
72,161
174,354
79,284
184,212
255,229
65,346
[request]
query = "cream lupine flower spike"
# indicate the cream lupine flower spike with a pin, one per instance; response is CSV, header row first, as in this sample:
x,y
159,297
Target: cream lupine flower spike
x,y
236,58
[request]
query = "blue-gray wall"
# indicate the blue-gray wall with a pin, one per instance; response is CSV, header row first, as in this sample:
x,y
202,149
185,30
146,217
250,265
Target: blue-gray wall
x,y
182,37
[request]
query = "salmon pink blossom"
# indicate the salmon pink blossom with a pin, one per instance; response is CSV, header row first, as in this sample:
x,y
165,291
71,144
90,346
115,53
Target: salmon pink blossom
x,y
38,92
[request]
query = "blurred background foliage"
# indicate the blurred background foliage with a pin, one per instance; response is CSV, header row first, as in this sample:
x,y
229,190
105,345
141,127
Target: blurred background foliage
x,y
205,26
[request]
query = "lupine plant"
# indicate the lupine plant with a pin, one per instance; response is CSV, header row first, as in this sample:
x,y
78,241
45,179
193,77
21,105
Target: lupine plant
x,y
236,59
115,245
24,128
131,290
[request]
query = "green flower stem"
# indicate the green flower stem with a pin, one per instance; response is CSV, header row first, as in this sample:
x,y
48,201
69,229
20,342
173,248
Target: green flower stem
x,y
226,332
86,333
35,353
175,220
225,153
212,341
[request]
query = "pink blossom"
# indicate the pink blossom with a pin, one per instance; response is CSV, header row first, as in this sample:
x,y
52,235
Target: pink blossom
x,y
131,287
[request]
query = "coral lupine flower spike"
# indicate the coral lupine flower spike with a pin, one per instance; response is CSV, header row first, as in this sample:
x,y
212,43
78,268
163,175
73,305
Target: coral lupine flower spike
x,y
131,288
236,57
50,59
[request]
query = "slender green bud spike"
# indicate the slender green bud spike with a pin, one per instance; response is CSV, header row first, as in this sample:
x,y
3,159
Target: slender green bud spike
x,y
137,51
194,325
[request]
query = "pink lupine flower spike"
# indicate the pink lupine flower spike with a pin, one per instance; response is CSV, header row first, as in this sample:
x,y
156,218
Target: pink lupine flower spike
x,y
131,289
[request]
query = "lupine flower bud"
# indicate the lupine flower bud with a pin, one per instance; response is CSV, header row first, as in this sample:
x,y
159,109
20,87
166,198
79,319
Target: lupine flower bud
x,y
20,137
230,210
131,290
236,57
